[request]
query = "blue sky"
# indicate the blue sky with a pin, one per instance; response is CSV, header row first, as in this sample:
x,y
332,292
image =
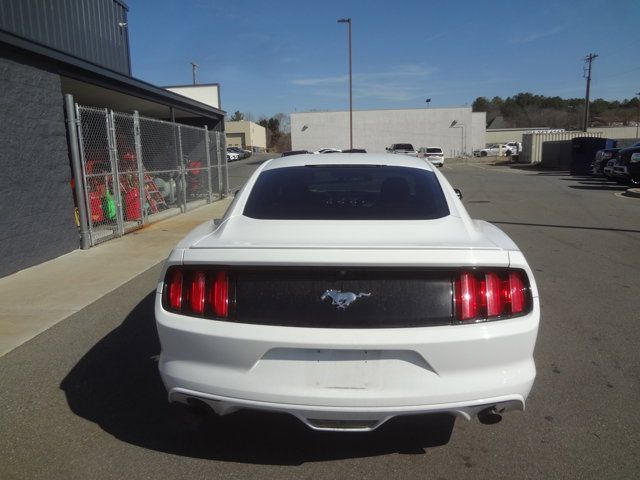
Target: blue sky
x,y
285,56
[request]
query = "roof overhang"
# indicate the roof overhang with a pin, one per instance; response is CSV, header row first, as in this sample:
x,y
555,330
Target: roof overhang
x,y
76,72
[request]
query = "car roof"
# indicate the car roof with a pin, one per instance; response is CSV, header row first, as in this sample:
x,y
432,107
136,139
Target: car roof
x,y
348,159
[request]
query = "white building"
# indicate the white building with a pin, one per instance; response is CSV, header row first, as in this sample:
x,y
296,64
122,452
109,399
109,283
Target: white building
x,y
455,130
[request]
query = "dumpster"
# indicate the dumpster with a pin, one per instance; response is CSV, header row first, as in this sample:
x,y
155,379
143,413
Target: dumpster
x,y
583,152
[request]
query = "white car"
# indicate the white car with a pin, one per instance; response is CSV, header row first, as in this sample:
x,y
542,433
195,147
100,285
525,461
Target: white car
x,y
328,150
232,156
402,148
505,149
346,290
433,154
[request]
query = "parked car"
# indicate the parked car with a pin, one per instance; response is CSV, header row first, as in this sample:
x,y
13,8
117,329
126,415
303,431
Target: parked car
x,y
634,170
433,154
497,149
513,148
241,152
328,150
354,150
601,159
608,168
294,152
345,290
402,148
622,171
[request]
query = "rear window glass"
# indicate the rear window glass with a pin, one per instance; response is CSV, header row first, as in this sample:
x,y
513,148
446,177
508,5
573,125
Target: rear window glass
x,y
434,150
403,146
347,192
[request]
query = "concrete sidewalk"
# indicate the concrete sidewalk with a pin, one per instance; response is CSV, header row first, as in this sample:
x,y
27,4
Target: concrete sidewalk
x,y
33,300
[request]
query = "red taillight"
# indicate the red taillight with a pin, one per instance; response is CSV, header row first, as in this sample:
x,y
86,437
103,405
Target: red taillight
x,y
197,290
467,296
517,293
220,294
192,292
490,294
175,290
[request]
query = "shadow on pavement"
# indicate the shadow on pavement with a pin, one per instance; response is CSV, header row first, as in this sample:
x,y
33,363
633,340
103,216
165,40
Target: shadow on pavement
x,y
117,386
576,227
603,187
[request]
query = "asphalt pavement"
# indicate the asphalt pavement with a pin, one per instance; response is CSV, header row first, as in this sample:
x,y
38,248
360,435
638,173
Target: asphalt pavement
x,y
84,399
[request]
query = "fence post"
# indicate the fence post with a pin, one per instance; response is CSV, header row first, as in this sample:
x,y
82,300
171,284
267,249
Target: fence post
x,y
223,157
138,145
206,147
84,174
113,157
78,177
219,164
182,176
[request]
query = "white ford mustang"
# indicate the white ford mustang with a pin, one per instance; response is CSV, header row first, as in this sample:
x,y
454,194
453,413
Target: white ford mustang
x,y
347,289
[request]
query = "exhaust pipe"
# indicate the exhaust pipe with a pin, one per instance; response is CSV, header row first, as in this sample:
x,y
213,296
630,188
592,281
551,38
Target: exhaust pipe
x,y
490,416
198,407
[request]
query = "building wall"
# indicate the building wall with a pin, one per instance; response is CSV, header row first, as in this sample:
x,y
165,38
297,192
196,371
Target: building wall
x,y
208,94
255,136
374,130
36,208
503,135
93,30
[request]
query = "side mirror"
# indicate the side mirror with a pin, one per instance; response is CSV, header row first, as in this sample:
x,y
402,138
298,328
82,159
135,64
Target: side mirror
x,y
458,193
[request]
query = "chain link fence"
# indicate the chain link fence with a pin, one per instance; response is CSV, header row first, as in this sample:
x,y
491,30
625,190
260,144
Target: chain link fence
x,y
137,170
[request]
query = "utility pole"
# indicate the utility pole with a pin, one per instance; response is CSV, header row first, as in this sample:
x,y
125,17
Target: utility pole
x,y
348,21
638,120
588,60
193,71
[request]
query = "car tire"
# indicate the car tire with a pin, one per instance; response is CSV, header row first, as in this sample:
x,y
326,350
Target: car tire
x,y
508,153
483,154
634,182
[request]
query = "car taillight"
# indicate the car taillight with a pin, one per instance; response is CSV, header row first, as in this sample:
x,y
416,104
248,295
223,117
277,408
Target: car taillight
x,y
481,295
220,294
197,292
175,290
198,284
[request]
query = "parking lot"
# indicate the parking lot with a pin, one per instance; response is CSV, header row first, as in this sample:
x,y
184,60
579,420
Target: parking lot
x,y
84,399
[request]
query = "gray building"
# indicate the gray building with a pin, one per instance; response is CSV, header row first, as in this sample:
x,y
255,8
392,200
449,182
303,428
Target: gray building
x,y
455,130
49,48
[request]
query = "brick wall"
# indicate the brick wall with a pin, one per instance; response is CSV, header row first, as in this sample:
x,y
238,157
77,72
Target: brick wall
x,y
36,202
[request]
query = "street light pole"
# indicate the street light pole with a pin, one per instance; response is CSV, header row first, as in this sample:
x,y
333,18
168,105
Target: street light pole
x,y
348,20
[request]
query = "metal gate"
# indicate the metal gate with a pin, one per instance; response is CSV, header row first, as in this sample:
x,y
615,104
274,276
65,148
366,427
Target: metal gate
x,y
137,170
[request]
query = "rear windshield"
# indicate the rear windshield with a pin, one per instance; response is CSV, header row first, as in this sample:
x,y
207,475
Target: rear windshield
x,y
403,146
347,192
434,150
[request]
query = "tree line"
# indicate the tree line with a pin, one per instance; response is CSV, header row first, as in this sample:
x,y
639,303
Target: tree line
x,y
526,110
277,128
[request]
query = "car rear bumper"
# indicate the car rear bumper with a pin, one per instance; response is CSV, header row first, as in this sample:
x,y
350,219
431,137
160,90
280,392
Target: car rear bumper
x,y
348,374
358,419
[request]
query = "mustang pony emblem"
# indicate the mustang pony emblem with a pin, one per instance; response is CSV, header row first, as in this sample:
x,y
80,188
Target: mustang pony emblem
x,y
342,299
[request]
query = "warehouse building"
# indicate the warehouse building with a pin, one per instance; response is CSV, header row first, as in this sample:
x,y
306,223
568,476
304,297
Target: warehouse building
x,y
246,135
456,130
47,50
